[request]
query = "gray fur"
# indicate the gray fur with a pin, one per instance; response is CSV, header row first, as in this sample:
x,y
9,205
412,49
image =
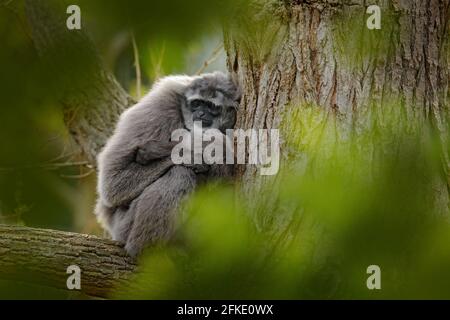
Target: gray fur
x,y
139,188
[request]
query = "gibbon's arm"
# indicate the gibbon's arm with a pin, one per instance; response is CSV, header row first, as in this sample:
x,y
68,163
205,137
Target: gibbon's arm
x,y
136,155
117,188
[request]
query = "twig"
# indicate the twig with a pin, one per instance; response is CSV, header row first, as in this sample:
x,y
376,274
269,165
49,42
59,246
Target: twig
x,y
66,164
158,71
137,66
50,166
78,176
215,54
63,155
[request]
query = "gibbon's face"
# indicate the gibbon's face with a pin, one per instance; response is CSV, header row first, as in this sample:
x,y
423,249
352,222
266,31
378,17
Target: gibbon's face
x,y
212,115
211,99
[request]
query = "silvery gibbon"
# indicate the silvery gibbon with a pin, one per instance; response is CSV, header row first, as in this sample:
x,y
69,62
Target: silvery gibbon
x,y
139,187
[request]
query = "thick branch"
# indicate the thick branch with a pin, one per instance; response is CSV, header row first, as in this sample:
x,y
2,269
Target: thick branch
x,y
91,97
42,256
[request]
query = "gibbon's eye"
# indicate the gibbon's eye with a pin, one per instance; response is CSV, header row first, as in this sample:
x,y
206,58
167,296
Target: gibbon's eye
x,y
195,104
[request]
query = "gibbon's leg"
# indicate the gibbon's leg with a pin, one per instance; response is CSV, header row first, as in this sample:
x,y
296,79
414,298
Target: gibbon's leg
x,y
117,221
155,209
121,224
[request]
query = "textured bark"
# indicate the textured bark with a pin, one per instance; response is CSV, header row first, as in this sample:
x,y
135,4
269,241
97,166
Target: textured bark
x,y
306,65
92,99
42,256
302,57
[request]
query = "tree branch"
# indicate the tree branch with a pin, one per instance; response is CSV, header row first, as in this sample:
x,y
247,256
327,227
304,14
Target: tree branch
x,y
91,97
42,256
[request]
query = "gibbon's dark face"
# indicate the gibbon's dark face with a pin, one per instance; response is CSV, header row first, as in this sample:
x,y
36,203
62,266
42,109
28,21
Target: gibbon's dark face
x,y
211,99
210,114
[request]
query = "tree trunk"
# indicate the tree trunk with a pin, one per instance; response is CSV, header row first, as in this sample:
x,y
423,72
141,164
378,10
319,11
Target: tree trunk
x,y
291,54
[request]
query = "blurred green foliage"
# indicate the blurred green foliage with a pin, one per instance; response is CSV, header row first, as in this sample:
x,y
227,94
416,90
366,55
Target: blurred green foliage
x,y
349,205
31,133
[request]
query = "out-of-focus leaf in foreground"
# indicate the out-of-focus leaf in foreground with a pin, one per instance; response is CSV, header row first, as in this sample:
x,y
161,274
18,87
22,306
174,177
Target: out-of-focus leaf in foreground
x,y
352,204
